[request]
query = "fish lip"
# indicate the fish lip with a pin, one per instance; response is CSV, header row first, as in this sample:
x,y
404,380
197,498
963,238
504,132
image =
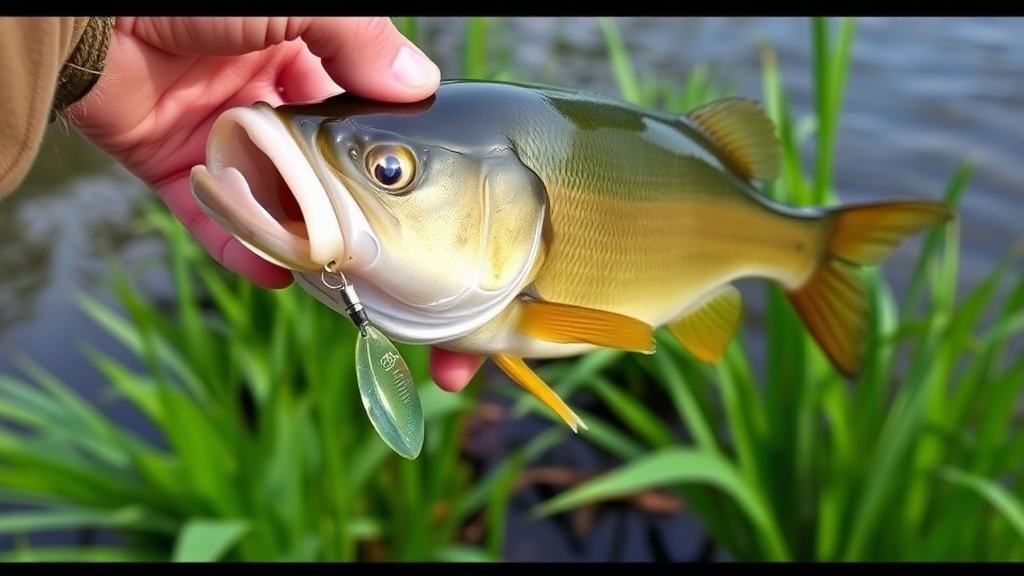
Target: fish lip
x,y
245,140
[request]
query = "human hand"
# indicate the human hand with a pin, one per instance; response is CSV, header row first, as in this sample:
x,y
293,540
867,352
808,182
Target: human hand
x,y
452,371
167,79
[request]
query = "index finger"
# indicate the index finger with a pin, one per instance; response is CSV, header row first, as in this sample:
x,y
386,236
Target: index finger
x,y
370,57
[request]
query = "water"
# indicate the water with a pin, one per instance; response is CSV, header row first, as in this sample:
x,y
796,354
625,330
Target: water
x,y
923,94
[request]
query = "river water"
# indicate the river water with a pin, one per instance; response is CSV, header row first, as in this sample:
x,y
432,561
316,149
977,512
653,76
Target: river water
x,y
923,93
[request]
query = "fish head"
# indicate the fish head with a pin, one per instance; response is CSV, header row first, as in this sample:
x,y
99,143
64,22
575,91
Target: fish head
x,y
438,229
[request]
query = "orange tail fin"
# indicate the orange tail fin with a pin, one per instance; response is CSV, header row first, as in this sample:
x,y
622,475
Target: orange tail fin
x,y
833,302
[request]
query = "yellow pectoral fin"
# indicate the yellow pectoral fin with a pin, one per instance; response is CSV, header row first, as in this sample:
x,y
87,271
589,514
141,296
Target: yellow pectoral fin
x,y
568,324
519,372
707,330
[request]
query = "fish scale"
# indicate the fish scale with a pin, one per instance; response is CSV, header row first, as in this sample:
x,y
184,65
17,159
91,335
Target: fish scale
x,y
669,232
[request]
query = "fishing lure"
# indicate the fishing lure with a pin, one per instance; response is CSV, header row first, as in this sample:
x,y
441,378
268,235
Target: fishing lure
x,y
385,382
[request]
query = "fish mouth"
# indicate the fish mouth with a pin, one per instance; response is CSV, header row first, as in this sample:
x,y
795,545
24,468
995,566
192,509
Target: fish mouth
x,y
261,186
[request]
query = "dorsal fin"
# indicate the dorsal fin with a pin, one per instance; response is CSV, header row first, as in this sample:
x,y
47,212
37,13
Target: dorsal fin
x,y
744,135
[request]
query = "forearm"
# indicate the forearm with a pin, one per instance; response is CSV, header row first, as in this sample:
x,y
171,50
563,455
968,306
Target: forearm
x,y
46,64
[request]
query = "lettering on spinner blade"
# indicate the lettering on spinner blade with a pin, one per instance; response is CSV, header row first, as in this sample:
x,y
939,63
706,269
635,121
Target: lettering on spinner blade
x,y
399,379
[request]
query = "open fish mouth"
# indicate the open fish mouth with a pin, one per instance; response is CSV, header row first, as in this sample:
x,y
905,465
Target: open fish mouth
x,y
274,197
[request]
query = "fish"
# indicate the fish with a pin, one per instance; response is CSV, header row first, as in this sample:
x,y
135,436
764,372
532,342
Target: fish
x,y
520,222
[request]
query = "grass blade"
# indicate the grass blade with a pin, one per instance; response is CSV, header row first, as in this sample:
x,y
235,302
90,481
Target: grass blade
x,y
80,554
202,540
622,68
1004,501
133,517
671,467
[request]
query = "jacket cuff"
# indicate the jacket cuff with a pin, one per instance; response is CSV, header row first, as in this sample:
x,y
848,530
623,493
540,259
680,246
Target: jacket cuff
x,y
84,65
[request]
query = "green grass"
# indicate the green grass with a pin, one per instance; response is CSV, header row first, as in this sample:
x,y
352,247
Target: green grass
x,y
918,460
268,455
299,475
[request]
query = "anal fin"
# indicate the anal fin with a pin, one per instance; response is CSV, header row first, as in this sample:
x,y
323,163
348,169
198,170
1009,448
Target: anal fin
x,y
707,330
569,324
521,374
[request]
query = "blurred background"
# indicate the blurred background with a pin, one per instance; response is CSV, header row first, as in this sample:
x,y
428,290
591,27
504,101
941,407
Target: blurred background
x,y
921,96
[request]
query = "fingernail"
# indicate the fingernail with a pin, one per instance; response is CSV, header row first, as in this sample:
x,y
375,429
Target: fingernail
x,y
413,69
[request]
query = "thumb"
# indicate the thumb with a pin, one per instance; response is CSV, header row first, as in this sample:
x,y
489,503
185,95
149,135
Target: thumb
x,y
369,57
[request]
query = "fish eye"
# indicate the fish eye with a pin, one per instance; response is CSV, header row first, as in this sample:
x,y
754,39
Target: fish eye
x,y
391,167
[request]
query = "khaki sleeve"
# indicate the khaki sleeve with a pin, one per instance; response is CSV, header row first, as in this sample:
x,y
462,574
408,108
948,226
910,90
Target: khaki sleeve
x,y
33,52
